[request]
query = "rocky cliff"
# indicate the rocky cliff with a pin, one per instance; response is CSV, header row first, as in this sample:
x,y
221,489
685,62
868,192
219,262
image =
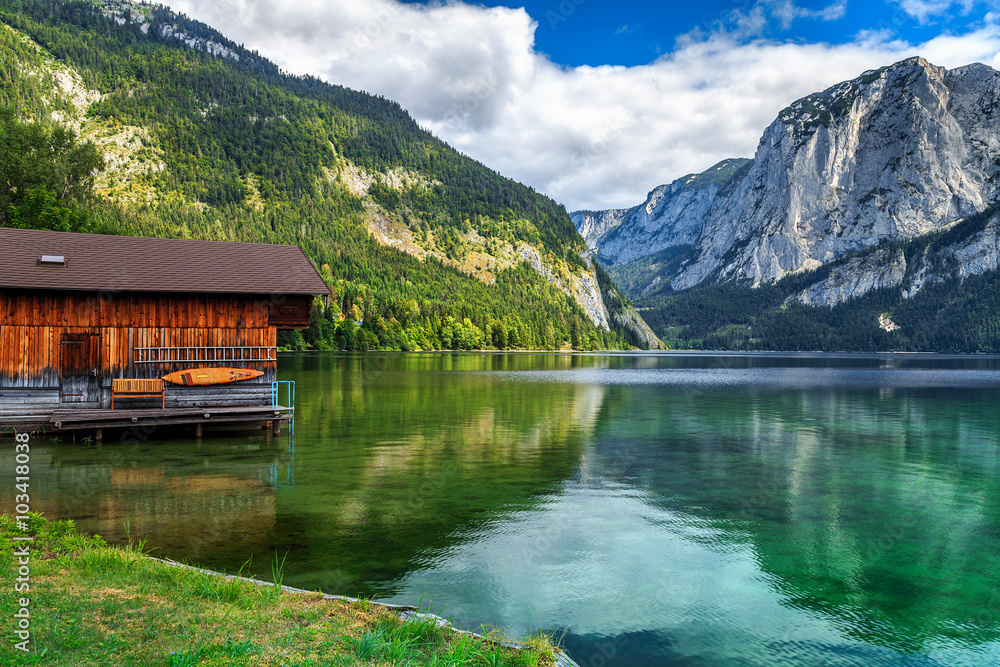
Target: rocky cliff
x,y
891,155
592,225
971,251
672,215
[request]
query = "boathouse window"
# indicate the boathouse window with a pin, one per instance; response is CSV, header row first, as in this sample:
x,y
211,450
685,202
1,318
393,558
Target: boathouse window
x,y
52,260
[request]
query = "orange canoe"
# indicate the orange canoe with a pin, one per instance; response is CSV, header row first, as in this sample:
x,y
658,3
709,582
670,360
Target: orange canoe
x,y
202,376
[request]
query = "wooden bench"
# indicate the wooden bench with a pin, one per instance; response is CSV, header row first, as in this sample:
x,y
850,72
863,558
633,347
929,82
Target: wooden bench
x,y
135,388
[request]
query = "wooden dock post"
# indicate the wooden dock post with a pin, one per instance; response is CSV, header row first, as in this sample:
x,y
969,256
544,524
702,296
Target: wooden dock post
x,y
98,434
197,430
276,426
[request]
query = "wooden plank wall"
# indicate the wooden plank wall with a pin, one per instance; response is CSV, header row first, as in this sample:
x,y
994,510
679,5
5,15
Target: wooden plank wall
x,y
19,402
133,309
29,356
32,325
291,312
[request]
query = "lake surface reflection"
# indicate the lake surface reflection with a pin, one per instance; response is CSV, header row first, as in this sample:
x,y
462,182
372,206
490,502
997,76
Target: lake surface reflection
x,y
657,509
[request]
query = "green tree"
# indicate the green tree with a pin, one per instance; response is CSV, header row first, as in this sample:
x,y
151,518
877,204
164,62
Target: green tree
x,y
499,335
39,209
550,336
574,335
291,340
45,175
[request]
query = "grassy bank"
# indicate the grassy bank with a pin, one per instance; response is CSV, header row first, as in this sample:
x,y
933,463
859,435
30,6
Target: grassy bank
x,y
93,604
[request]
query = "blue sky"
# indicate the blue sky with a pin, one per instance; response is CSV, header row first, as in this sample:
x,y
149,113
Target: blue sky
x,y
597,102
637,32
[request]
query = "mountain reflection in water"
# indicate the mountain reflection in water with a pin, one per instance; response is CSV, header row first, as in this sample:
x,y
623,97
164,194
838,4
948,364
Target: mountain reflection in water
x,y
658,509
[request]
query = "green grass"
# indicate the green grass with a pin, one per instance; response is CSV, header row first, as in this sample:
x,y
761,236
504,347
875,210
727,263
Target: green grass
x,y
93,604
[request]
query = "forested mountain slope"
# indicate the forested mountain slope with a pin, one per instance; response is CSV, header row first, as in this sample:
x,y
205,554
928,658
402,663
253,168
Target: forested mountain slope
x,y
937,292
205,139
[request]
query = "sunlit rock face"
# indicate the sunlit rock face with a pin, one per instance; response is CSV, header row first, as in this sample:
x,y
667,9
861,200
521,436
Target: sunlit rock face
x,y
893,154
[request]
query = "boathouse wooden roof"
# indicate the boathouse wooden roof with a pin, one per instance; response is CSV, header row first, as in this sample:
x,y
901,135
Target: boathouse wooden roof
x,y
100,262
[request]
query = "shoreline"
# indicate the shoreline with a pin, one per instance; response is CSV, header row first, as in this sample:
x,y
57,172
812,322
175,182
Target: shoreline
x,y
104,605
405,612
679,353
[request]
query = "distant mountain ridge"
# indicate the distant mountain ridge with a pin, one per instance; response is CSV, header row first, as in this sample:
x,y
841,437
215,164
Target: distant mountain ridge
x,y
672,215
896,154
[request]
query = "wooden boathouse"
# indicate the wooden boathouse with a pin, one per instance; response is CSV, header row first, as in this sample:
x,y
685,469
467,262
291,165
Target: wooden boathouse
x,y
79,311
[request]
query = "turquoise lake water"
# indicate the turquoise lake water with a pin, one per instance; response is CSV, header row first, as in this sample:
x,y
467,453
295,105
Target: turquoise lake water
x,y
673,509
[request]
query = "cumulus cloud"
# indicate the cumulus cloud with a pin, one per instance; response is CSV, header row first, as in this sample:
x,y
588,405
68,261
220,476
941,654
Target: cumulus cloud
x,y
591,137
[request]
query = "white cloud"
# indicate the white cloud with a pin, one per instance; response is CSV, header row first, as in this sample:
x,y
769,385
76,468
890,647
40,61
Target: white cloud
x,y
592,137
788,12
925,10
757,16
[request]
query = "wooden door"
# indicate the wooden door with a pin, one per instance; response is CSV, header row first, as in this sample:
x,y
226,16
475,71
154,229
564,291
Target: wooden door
x,y
79,368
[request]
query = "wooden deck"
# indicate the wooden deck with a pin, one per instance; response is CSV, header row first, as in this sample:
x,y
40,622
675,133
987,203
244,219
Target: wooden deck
x,y
65,419
79,417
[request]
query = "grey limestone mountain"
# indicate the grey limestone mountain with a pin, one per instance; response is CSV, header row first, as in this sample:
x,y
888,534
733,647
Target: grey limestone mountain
x,y
893,154
672,215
